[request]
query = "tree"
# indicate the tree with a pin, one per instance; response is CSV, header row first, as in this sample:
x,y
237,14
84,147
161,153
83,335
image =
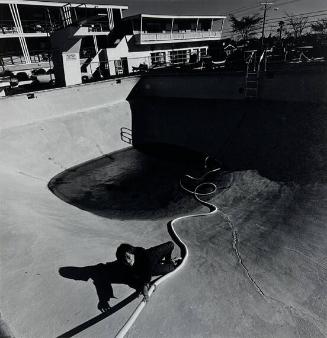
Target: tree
x,y
281,29
320,26
246,27
297,23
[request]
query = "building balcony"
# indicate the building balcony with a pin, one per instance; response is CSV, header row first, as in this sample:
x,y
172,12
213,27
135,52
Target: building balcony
x,y
42,29
150,38
29,28
93,29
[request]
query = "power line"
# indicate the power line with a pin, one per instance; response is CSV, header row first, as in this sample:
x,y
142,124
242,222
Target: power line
x,y
275,20
235,10
270,27
259,6
323,12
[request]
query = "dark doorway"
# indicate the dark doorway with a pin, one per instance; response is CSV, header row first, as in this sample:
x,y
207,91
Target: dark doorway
x,y
124,63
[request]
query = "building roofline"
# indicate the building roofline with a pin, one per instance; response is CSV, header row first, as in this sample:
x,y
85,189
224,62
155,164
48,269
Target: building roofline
x,y
51,3
160,16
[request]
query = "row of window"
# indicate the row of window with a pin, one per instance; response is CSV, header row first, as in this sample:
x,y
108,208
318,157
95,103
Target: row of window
x,y
178,56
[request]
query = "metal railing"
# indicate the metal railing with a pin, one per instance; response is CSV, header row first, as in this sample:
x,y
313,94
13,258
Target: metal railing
x,y
97,26
29,26
263,58
148,37
126,135
36,56
37,26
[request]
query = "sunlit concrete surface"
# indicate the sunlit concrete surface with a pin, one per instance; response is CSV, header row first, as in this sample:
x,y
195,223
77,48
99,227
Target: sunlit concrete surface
x,y
281,229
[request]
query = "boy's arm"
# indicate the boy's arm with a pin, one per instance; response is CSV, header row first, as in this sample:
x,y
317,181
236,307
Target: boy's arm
x,y
103,288
145,291
105,292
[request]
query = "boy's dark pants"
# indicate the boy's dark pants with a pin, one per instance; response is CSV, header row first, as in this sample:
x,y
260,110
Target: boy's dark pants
x,y
160,258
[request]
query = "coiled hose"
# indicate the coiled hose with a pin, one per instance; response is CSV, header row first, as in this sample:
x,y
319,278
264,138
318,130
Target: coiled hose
x,y
171,230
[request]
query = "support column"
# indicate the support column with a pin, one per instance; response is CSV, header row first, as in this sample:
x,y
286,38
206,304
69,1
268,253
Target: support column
x,y
110,18
222,28
141,30
28,58
95,44
18,24
66,47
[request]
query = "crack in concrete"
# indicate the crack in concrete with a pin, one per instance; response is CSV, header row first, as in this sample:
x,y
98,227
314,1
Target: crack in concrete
x,y
100,150
235,242
28,175
295,308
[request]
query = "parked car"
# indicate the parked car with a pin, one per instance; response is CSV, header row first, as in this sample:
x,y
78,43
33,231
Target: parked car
x,y
44,77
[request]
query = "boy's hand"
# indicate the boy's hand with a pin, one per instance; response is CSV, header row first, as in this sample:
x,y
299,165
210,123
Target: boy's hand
x,y
145,292
104,306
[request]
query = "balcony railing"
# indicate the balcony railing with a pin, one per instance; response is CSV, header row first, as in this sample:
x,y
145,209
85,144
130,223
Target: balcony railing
x,y
40,27
158,37
37,56
30,26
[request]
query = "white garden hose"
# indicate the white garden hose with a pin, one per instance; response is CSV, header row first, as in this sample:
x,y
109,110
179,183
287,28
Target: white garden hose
x,y
183,248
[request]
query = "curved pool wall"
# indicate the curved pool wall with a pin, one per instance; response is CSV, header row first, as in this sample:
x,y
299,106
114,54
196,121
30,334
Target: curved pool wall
x,y
281,133
45,132
43,135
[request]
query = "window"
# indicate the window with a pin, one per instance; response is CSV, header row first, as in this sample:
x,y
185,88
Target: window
x,y
203,52
179,56
158,58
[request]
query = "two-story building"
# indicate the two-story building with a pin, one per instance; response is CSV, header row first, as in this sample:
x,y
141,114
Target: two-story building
x,y
26,26
155,40
62,33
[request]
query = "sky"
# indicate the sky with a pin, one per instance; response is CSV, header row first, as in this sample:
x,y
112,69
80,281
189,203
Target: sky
x,y
218,7
239,8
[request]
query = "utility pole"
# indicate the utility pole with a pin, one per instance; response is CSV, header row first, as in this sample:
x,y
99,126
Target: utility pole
x,y
266,4
281,26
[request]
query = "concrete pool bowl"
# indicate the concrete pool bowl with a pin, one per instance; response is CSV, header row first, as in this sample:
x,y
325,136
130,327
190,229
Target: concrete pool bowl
x,y
281,228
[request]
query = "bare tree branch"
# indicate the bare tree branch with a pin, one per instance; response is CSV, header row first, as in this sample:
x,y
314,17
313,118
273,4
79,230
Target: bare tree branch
x,y
246,26
297,23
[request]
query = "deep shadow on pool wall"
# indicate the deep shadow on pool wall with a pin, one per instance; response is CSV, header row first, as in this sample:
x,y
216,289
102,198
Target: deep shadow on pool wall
x,y
282,140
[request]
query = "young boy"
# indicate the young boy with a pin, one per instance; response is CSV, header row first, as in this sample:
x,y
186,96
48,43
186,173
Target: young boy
x,y
135,266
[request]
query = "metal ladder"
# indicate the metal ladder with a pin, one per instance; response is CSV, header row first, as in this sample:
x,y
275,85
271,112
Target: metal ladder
x,y
251,78
253,74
